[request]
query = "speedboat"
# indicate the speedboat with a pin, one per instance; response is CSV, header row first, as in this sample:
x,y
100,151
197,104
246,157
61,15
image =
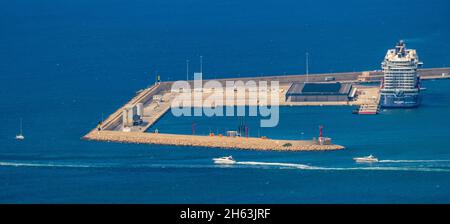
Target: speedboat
x,y
366,159
224,160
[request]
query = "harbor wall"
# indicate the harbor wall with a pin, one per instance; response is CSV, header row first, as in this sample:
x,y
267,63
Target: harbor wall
x,y
209,141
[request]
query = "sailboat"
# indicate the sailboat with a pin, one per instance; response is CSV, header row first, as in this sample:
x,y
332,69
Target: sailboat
x,y
20,135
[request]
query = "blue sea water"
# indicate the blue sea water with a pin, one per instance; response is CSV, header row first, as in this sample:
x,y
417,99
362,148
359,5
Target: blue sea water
x,y
64,63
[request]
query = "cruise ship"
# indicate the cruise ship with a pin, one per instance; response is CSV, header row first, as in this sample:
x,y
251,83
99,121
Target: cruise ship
x,y
400,86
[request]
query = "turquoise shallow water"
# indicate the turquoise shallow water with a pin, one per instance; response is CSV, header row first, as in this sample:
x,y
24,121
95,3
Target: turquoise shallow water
x,y
57,56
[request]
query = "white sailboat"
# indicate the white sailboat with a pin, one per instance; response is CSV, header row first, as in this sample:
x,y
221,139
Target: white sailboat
x,y
20,135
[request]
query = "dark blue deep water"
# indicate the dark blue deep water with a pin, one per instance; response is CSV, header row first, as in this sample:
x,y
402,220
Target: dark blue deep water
x,y
64,63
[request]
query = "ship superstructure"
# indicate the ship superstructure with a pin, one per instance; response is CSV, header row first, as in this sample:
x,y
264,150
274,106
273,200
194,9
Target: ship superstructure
x,y
401,83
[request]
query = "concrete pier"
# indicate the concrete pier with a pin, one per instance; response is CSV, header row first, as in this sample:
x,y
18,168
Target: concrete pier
x,y
111,129
151,112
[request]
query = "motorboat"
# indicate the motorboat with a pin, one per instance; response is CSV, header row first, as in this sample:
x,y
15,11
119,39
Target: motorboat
x,y
366,159
224,160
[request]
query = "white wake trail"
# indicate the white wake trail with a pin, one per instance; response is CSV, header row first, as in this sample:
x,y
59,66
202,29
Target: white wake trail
x,y
379,168
44,165
414,161
294,165
375,168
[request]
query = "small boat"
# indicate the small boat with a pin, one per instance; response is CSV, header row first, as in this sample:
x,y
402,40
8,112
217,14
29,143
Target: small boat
x,y
224,160
20,135
366,159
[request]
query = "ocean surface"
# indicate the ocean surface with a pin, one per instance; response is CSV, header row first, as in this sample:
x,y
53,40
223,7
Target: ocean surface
x,y
65,63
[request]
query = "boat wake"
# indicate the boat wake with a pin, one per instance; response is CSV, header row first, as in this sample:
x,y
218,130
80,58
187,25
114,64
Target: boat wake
x,y
16,164
294,165
244,164
414,161
307,167
113,166
380,168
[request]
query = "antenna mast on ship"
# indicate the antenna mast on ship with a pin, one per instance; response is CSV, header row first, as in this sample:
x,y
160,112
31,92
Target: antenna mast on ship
x,y
187,70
